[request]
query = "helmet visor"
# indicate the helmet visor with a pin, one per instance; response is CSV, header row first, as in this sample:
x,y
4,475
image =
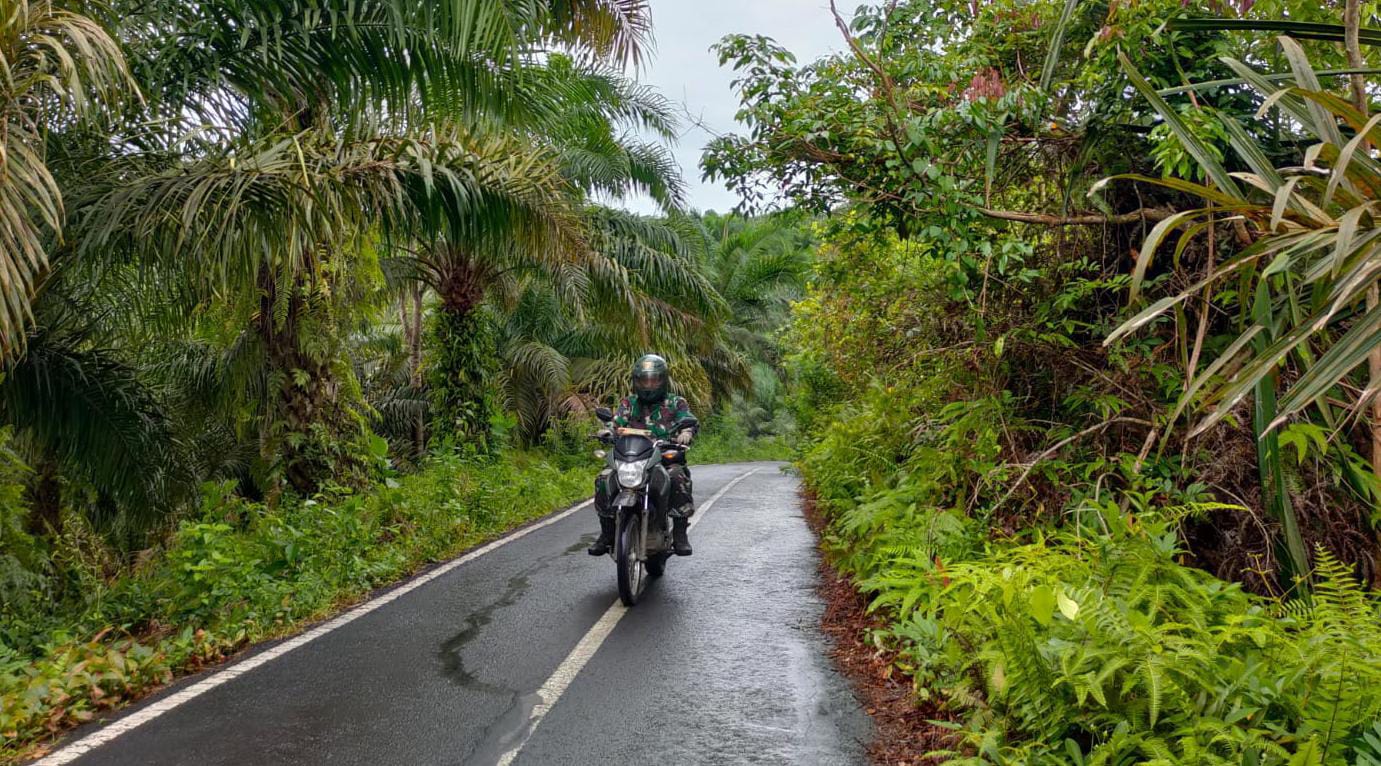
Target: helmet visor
x,y
649,381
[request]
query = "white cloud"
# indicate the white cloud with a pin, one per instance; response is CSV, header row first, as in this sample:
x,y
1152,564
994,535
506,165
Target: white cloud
x,y
683,68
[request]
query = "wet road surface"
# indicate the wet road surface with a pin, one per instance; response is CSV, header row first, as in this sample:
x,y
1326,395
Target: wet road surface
x,y
720,662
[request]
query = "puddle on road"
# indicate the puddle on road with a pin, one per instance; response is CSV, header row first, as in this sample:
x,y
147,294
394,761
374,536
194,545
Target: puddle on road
x,y
450,653
585,542
510,727
452,664
502,735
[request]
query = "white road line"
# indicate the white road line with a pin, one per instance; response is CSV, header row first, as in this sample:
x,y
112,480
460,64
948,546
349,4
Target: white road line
x,y
97,738
570,667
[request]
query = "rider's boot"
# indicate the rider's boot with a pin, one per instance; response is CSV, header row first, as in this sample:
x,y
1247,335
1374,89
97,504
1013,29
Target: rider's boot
x,y
606,538
680,537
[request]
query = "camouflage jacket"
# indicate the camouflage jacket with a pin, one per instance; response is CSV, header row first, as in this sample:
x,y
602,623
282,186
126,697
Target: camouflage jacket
x,y
661,419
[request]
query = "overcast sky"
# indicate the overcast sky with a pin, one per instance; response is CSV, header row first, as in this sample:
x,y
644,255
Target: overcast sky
x,y
685,71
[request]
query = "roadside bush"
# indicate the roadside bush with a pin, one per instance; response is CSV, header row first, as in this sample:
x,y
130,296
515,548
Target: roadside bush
x,y
724,439
569,440
1093,645
1029,569
23,585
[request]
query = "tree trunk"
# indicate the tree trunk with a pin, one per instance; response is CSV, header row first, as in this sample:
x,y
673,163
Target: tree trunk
x,y
1352,24
464,358
411,306
45,500
415,339
307,431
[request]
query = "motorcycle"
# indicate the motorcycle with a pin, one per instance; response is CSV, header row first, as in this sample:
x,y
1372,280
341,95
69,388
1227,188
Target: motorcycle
x,y
641,491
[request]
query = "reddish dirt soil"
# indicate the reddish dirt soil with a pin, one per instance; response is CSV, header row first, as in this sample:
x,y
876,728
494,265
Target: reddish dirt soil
x,y
904,732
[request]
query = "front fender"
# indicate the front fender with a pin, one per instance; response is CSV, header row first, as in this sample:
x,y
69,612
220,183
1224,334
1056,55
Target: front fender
x,y
659,484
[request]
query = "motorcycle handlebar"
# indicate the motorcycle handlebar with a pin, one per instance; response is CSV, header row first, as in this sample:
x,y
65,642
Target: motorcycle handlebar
x,y
660,444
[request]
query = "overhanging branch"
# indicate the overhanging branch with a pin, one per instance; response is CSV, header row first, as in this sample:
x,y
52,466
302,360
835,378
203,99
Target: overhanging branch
x,y
1092,219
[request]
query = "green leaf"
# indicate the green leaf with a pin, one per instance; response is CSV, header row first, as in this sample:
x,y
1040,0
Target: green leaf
x,y
1212,168
1146,316
1042,604
1152,243
1238,81
1345,157
1273,485
1251,152
1345,354
1325,124
1068,606
990,163
1052,55
1299,29
1308,754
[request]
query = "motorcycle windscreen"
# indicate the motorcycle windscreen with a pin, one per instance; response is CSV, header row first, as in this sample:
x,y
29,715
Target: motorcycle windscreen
x,y
626,499
633,448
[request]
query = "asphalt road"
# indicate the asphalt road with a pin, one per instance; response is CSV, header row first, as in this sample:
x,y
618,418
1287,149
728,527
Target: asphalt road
x,y
721,662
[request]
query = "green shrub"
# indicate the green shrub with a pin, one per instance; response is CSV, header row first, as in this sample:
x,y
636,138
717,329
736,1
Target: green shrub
x,y
724,440
1094,645
1078,637
569,440
23,584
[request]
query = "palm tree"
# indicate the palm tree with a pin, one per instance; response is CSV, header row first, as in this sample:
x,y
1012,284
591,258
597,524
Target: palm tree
x,y
592,145
235,63
281,228
82,409
646,290
759,266
325,137
383,359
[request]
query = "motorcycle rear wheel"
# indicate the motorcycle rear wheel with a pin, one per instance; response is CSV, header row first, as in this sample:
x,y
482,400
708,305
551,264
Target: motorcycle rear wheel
x,y
631,570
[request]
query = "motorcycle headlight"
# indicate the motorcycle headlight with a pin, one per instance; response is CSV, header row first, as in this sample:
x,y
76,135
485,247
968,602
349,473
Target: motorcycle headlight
x,y
632,475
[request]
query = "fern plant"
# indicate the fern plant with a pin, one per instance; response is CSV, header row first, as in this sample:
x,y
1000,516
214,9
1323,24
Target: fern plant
x,y
1103,649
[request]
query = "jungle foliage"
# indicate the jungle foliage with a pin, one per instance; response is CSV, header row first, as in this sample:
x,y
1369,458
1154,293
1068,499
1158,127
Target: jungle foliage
x,y
1082,370
297,296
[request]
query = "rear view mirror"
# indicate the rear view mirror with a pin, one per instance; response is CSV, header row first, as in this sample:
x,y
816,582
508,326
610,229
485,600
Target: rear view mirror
x,y
604,414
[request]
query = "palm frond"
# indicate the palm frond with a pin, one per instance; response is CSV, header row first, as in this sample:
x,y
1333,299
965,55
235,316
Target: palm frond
x,y
84,407
404,59
1318,227
279,203
53,64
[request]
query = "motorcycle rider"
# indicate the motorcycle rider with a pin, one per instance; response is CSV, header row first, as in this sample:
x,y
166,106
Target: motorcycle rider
x,y
652,407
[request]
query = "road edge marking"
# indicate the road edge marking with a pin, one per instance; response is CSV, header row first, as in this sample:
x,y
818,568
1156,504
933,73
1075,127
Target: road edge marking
x,y
71,752
570,667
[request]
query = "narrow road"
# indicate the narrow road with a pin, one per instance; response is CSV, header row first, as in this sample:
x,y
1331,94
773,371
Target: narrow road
x,y
520,655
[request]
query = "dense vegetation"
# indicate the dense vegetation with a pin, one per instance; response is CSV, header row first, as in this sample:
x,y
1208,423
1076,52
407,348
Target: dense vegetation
x,y
1070,309
1082,371
296,297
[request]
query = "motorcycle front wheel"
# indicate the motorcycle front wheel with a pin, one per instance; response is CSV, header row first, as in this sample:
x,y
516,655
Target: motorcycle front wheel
x,y
626,549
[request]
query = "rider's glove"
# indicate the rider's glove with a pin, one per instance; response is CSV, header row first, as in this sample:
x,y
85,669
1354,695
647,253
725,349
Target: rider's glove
x,y
604,434
684,438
